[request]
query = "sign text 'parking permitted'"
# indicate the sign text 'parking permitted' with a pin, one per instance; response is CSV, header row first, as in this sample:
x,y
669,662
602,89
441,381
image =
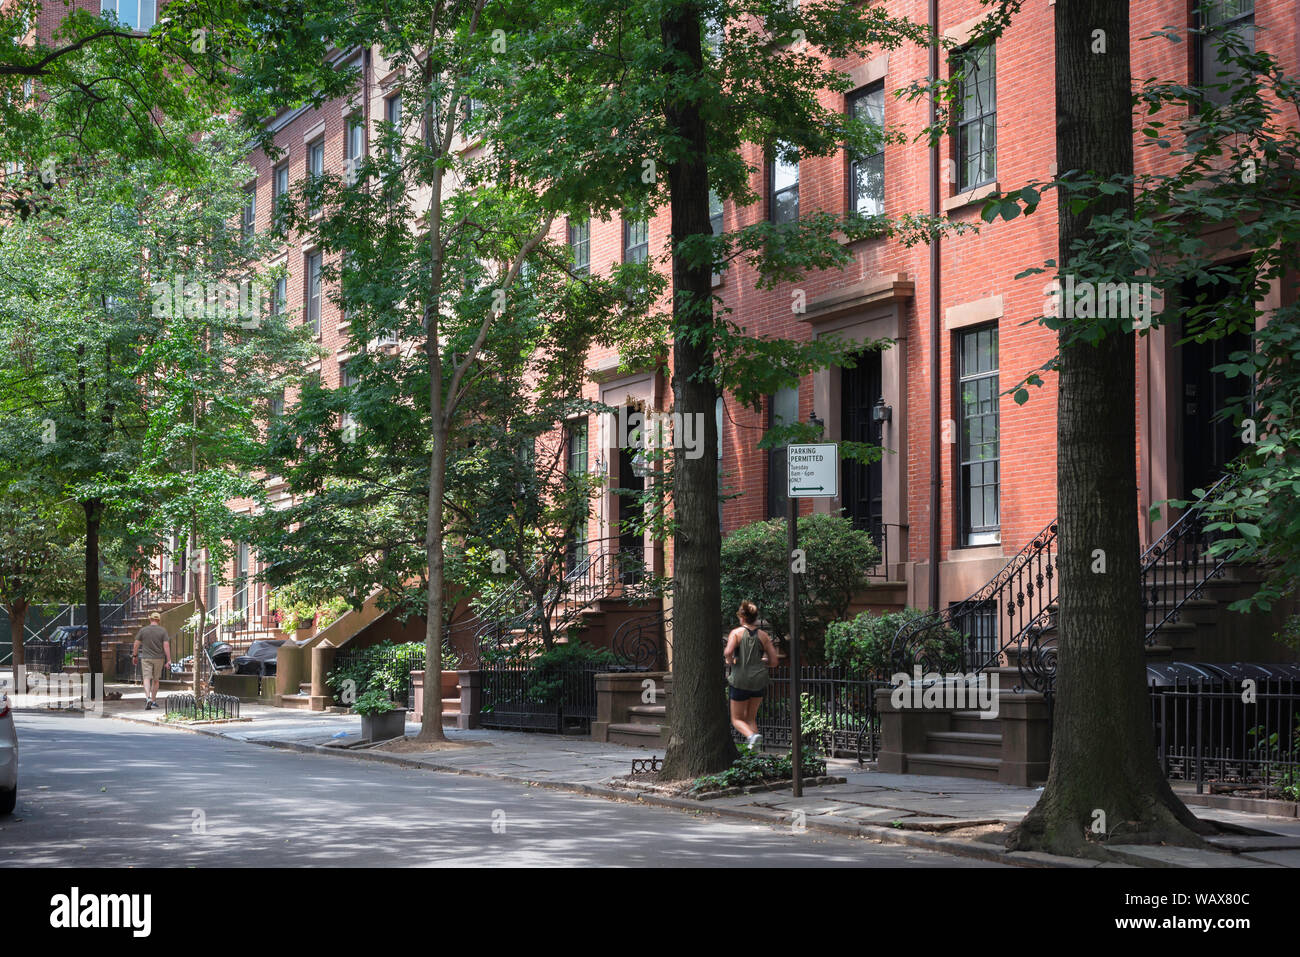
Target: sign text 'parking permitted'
x,y
813,470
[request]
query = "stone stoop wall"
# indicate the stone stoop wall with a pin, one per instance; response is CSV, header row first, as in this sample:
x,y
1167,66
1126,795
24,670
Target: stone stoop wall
x,y
616,692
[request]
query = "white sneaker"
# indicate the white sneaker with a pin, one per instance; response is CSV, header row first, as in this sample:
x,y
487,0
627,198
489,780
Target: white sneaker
x,y
755,741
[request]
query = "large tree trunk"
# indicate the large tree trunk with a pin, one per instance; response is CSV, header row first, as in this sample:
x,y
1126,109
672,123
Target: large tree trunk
x,y
431,715
699,740
18,630
94,633
1103,754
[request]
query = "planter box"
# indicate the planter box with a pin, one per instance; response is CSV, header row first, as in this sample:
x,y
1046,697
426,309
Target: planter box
x,y
381,727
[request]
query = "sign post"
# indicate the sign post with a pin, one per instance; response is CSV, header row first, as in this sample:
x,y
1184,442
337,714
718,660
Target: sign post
x,y
812,471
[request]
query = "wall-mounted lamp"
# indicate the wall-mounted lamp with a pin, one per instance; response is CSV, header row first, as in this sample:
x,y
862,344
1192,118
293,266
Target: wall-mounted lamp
x,y
881,412
813,420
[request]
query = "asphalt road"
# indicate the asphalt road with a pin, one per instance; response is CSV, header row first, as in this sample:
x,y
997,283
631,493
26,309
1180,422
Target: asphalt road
x,y
106,793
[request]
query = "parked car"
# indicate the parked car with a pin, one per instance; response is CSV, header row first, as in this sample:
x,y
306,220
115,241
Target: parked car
x,y
70,636
8,757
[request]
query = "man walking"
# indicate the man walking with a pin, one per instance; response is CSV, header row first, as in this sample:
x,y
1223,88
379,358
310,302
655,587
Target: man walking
x,y
153,650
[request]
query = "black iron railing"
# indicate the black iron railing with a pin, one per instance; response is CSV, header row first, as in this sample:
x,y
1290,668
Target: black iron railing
x,y
396,661
517,614
210,707
1210,733
529,698
1011,617
889,540
1178,565
840,718
44,657
645,641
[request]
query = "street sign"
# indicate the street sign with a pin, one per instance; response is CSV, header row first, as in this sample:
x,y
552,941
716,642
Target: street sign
x,y
813,471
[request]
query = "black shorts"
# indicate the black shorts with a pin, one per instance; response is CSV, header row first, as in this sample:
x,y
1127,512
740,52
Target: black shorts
x,y
740,694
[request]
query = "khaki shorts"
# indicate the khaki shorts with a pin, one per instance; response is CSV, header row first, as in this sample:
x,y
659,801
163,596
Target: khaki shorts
x,y
152,668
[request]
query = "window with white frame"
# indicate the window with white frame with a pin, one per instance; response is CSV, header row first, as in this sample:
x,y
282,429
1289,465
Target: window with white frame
x,y
139,15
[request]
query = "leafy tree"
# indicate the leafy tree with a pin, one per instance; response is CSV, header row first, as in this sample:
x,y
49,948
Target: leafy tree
x,y
428,240
1222,176
38,559
130,386
661,99
755,566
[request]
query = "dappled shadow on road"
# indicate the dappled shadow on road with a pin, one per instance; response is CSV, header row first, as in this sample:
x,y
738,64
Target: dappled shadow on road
x,y
96,791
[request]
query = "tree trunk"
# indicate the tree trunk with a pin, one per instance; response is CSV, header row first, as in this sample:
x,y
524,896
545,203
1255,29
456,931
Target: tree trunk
x,y
18,630
1104,783
94,634
699,740
431,715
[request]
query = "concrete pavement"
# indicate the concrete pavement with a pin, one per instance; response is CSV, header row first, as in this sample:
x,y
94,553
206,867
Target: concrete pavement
x,y
107,793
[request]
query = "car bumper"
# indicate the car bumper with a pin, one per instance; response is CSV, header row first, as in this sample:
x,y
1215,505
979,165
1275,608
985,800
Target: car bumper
x,y
8,766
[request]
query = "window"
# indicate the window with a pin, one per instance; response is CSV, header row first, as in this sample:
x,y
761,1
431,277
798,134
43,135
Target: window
x,y
867,171
577,467
636,240
393,114
580,244
977,356
137,14
1217,21
354,148
279,188
782,409
348,379
976,113
715,222
315,163
248,221
276,406
313,292
784,205
279,295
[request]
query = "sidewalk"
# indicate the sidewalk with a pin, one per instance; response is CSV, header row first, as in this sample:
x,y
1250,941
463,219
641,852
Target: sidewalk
x,y
954,815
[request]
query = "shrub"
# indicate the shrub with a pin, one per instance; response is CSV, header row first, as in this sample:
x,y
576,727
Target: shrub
x,y
374,702
384,667
755,566
753,767
862,644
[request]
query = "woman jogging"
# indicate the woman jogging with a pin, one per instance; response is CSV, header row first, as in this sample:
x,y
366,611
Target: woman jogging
x,y
745,651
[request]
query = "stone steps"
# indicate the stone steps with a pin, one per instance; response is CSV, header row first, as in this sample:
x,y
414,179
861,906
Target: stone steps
x,y
955,766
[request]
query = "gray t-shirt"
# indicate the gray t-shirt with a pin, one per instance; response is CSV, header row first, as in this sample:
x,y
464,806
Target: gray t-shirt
x,y
151,638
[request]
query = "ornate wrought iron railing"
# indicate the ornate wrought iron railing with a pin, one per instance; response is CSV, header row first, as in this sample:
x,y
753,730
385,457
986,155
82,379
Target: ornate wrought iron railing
x,y
1011,616
645,642
607,565
1177,566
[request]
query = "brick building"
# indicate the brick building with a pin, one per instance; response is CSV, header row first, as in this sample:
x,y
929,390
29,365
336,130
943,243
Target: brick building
x,y
994,478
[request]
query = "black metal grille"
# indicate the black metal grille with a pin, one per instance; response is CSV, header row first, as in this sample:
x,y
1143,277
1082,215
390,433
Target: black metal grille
x,y
555,699
841,700
212,707
1208,733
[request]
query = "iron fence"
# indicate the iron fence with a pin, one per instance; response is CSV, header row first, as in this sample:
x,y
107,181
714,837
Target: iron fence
x,y
1217,733
125,668
553,698
211,707
839,707
394,660
44,657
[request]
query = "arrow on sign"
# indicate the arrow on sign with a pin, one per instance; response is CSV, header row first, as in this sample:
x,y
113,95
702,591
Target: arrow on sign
x,y
810,488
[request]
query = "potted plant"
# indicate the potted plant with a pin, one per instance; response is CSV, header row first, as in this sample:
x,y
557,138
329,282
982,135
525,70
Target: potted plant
x,y
381,719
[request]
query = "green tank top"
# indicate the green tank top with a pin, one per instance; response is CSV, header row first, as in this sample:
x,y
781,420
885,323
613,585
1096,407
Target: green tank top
x,y
749,673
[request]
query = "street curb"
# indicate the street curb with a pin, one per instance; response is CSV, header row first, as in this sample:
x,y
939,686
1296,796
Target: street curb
x,y
881,835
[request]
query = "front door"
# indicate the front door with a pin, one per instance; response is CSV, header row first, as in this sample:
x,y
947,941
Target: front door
x,y
860,485
1210,438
